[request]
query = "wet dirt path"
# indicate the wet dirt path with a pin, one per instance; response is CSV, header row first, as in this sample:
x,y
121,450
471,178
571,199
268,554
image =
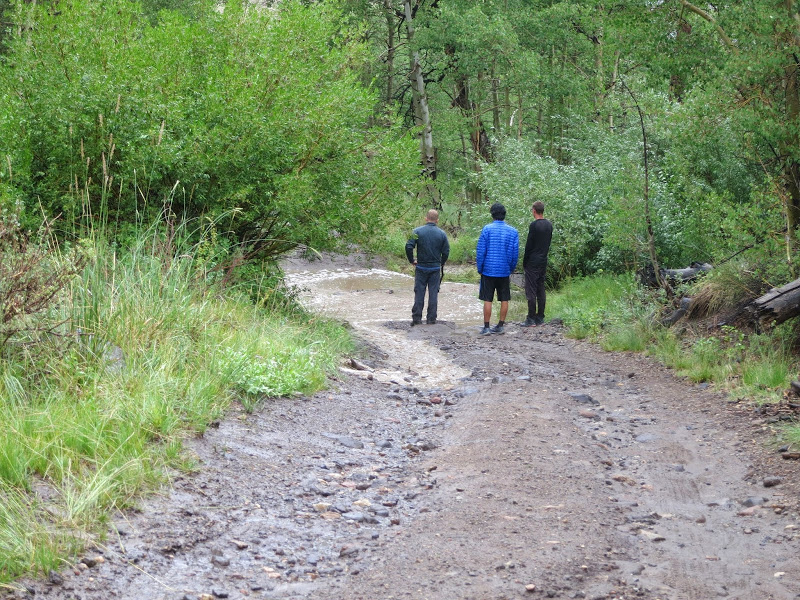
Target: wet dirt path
x,y
455,467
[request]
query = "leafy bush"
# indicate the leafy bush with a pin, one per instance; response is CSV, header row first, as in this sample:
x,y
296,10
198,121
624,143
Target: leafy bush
x,y
251,118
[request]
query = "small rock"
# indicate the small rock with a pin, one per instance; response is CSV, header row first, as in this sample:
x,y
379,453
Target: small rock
x,y
55,578
583,398
356,516
530,588
623,479
651,535
436,400
772,481
221,561
753,501
348,551
588,414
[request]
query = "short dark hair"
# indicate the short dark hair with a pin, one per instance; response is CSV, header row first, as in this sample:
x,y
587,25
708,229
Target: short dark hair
x,y
498,211
538,206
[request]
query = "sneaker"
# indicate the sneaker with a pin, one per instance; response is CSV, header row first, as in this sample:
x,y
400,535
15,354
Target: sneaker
x,y
539,320
497,329
529,322
416,322
485,330
431,322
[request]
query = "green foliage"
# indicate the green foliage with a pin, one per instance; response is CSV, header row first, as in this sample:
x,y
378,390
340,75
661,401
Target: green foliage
x,y
252,118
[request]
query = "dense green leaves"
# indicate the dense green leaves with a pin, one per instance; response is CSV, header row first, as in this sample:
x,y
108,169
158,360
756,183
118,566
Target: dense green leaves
x,y
291,124
254,119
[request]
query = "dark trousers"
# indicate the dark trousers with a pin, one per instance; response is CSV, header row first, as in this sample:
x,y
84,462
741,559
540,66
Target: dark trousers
x,y
534,291
425,280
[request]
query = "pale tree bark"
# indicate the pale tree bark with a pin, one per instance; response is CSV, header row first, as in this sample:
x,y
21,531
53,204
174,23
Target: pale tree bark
x,y
708,17
421,103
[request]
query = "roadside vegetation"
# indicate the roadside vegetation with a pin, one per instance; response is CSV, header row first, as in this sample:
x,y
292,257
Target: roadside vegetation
x,y
101,384
620,315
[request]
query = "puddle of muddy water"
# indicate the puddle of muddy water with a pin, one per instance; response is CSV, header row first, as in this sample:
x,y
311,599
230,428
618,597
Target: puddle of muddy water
x,y
373,300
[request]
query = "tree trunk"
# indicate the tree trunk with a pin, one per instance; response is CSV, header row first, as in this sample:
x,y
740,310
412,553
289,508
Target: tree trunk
x,y
612,85
651,244
495,102
777,305
390,50
792,169
421,108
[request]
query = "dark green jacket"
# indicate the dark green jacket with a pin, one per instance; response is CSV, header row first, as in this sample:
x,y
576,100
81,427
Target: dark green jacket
x,y
432,245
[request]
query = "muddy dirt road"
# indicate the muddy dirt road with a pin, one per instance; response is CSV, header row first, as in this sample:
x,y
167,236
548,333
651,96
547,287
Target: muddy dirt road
x,y
447,466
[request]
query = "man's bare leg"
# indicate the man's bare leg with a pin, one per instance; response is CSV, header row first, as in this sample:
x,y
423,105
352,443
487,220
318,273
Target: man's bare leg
x,y
487,311
503,311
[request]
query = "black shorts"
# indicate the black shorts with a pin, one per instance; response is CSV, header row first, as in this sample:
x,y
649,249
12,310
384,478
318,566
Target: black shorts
x,y
491,284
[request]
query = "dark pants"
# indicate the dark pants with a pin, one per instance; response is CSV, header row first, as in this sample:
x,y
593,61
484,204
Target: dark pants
x,y
534,291
425,280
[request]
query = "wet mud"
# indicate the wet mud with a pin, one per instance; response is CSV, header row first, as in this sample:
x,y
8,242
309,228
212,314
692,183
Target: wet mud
x,y
444,465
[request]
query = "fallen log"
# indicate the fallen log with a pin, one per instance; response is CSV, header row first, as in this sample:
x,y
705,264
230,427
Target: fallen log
x,y
678,313
777,305
690,273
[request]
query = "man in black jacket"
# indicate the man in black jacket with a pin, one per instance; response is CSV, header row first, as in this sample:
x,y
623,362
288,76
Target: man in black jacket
x,y
433,249
534,263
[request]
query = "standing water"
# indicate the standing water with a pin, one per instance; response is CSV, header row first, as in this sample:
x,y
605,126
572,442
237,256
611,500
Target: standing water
x,y
377,304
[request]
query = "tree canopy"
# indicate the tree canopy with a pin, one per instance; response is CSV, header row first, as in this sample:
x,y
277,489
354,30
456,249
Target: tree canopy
x,y
322,122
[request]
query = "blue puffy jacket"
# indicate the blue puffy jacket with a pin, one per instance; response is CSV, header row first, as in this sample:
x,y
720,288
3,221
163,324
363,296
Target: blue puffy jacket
x,y
498,250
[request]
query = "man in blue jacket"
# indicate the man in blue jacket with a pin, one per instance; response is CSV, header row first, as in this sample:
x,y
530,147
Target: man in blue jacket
x,y
496,256
433,249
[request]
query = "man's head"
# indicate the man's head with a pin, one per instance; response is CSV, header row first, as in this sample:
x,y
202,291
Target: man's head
x,y
538,208
432,216
498,211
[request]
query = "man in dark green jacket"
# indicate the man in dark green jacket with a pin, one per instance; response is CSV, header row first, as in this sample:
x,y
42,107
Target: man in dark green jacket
x,y
433,249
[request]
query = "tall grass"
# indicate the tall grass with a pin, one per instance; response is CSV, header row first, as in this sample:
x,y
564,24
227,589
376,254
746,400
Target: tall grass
x,y
148,354
614,312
